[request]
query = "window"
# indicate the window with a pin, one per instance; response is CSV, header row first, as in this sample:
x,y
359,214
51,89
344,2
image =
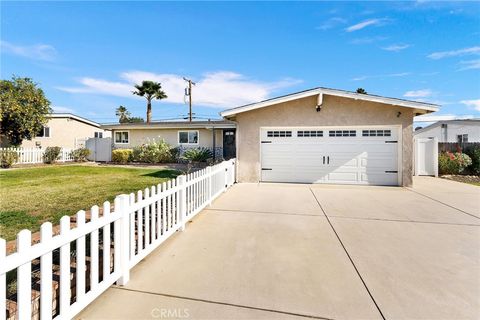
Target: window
x,y
98,135
461,138
342,133
376,133
279,134
44,133
188,137
121,137
309,133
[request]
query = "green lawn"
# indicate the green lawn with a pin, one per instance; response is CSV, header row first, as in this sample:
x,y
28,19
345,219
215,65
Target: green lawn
x,y
29,197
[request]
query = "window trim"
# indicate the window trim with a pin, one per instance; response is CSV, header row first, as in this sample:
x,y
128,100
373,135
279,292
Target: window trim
x,y
462,136
49,133
120,131
188,143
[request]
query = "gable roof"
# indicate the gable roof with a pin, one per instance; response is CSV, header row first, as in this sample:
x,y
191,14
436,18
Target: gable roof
x,y
420,107
75,117
436,124
172,125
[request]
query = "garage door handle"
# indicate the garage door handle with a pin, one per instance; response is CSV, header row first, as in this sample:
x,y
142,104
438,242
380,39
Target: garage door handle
x,y
328,160
323,159
391,171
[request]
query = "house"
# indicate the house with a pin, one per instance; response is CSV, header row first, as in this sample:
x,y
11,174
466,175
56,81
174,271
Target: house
x,y
66,130
467,130
325,135
218,135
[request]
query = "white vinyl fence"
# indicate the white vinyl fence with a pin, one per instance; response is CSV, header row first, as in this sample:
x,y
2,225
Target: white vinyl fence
x,y
425,156
35,155
133,228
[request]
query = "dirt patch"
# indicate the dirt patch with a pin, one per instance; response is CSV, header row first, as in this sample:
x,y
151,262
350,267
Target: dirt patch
x,y
463,178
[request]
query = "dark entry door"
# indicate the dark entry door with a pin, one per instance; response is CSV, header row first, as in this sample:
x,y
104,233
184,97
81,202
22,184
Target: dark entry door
x,y
229,150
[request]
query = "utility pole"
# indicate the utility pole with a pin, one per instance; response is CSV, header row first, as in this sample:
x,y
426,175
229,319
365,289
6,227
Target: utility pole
x,y
188,92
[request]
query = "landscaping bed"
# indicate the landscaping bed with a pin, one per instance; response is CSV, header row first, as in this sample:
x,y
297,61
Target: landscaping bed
x,y
471,179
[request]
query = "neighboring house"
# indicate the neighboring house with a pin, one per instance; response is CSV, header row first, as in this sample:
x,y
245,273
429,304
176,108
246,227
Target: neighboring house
x,y
459,131
327,136
218,135
65,130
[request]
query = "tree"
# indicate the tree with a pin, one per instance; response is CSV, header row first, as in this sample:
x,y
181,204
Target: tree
x,y
23,109
361,90
122,113
135,120
150,90
124,116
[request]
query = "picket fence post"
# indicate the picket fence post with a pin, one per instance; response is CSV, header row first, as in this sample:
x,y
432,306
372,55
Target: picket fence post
x,y
124,238
209,185
182,193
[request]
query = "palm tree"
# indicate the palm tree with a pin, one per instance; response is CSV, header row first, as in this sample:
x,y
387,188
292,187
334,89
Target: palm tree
x,y
150,90
122,114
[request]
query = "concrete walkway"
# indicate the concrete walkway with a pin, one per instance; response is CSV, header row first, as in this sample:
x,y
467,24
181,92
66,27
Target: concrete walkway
x,y
285,251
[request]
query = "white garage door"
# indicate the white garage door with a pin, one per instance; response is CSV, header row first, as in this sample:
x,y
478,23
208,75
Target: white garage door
x,y
366,155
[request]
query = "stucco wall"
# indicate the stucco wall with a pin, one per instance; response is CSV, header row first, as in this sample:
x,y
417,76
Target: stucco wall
x,y
63,132
139,136
336,111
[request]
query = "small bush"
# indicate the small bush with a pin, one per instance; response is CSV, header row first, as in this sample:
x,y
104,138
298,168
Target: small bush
x,y
197,155
122,156
51,154
453,163
80,154
154,152
474,154
8,158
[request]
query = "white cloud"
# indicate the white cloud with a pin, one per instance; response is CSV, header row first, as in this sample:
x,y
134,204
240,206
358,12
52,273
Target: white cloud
x,y
366,23
423,93
470,64
454,53
59,109
38,51
396,47
475,104
391,75
215,89
368,40
331,23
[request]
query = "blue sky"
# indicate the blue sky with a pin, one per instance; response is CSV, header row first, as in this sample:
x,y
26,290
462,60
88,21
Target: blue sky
x,y
87,55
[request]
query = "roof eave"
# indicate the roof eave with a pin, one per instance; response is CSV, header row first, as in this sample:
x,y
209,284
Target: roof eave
x,y
420,107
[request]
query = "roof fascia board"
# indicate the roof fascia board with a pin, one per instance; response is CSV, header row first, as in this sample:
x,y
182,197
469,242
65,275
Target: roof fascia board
x,y
356,96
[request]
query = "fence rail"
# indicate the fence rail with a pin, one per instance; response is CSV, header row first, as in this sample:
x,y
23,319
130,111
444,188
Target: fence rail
x,y
455,146
128,232
35,155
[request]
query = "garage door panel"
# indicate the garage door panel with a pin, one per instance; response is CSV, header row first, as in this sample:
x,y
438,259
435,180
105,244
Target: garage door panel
x,y
330,159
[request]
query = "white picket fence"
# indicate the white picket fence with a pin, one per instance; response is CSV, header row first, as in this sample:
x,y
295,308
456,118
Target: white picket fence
x,y
133,228
35,155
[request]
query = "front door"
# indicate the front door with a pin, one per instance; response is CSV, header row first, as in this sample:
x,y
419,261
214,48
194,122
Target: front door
x,y
229,148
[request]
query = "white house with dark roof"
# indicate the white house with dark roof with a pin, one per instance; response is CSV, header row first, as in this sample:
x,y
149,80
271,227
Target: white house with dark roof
x,y
460,131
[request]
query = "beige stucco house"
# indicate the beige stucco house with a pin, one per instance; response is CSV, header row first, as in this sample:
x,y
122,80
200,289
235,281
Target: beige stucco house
x,y
218,135
326,136
65,130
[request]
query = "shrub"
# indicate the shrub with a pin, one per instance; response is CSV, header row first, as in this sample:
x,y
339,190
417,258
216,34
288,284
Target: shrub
x,y
154,152
122,156
197,154
453,163
80,154
8,158
51,154
474,153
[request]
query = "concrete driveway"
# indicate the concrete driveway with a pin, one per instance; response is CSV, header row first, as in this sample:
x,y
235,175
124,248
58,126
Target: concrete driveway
x,y
285,251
